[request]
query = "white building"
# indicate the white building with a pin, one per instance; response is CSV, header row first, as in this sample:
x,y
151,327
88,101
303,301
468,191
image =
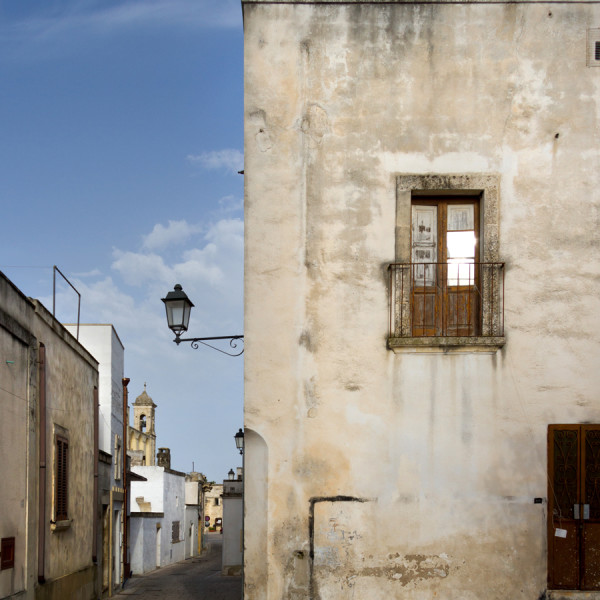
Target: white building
x,y
164,519
233,525
414,431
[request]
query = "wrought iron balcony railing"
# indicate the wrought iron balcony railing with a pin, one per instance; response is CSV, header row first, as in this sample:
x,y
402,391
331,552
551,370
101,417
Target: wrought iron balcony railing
x,y
456,299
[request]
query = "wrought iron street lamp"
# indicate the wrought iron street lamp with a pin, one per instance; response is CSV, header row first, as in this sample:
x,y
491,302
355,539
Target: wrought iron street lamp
x,y
239,441
179,307
231,475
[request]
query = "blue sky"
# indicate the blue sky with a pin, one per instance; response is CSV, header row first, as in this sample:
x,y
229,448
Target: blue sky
x,y
121,138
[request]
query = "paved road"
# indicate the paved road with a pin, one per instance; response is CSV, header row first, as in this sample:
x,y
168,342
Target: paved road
x,y
196,578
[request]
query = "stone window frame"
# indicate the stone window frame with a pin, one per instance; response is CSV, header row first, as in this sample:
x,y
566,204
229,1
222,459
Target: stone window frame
x,y
486,187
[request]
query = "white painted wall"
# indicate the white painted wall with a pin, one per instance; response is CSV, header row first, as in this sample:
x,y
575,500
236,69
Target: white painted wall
x,y
165,491
142,540
233,511
103,343
152,490
191,492
191,531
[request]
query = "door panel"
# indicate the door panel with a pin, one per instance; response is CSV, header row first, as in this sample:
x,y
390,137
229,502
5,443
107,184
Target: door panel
x,y
444,278
565,557
424,314
461,311
591,557
574,507
591,514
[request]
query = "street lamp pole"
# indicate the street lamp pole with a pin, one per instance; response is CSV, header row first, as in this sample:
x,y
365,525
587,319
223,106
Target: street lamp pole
x,y
179,307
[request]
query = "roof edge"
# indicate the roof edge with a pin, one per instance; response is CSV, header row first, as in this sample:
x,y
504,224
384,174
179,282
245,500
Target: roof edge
x,y
420,2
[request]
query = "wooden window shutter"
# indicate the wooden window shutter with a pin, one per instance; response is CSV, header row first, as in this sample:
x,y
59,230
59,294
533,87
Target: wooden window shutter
x,y
62,479
174,532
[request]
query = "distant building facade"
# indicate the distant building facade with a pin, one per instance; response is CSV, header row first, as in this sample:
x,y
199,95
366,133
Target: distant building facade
x,y
142,434
213,508
164,518
233,524
196,487
103,342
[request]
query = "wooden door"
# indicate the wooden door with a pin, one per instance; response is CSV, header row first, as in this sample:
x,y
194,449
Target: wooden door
x,y
445,276
574,507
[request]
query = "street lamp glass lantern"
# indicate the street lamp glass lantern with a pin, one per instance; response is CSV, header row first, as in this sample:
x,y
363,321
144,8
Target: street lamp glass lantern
x,y
231,475
239,441
178,307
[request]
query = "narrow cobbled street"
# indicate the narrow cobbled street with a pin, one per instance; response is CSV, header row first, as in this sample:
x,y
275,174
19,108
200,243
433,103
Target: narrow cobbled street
x,y
193,579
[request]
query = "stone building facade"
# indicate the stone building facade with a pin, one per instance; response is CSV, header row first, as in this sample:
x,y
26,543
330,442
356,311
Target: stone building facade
x,y
141,436
48,444
213,507
421,381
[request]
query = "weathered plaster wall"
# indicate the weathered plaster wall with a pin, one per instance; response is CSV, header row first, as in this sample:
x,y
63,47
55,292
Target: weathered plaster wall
x,y
71,376
425,466
212,510
18,402
102,342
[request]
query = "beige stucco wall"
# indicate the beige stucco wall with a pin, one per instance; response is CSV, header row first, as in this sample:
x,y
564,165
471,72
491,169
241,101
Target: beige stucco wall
x,y
71,376
212,510
445,451
18,385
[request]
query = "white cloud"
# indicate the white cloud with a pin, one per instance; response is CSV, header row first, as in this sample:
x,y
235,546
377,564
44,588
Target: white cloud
x,y
140,269
99,16
228,232
189,13
217,263
231,204
176,232
53,29
230,159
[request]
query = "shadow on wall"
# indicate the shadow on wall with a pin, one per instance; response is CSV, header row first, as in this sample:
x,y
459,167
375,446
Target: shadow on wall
x,y
256,509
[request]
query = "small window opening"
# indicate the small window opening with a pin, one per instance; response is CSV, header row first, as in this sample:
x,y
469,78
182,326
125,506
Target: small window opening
x,y
7,553
174,532
597,52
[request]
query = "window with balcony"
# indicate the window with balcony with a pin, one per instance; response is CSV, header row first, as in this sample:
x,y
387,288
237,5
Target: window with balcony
x,y
447,285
